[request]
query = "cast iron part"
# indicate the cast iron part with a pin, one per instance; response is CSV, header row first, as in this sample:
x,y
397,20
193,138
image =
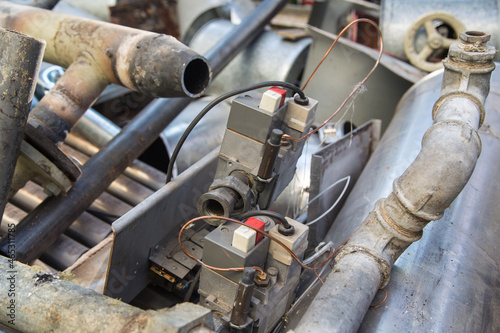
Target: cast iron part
x,y
42,227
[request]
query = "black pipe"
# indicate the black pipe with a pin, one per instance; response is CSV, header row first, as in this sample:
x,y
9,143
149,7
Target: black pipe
x,y
41,228
20,61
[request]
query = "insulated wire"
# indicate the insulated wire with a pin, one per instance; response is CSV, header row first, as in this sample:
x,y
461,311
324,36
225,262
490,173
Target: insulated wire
x,y
346,186
216,101
356,88
239,269
267,213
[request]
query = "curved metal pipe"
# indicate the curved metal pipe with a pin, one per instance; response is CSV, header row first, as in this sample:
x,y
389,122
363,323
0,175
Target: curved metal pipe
x,y
450,149
20,61
97,54
42,227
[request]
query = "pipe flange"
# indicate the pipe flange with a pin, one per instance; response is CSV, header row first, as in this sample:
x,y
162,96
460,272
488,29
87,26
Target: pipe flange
x,y
466,94
383,265
239,187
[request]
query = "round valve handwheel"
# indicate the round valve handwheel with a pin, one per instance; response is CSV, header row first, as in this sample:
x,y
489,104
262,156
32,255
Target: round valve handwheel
x,y
435,43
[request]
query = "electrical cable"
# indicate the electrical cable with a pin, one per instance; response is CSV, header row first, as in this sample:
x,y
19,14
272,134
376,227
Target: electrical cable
x,y
267,213
216,101
356,88
239,269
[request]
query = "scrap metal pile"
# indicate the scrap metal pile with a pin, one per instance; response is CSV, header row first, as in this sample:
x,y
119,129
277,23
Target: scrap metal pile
x,y
249,166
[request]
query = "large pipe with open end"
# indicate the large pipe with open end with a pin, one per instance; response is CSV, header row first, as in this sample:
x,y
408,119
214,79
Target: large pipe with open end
x,y
450,149
20,60
42,227
97,54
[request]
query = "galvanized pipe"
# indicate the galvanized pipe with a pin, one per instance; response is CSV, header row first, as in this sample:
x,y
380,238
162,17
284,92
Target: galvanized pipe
x,y
42,227
20,60
33,301
450,149
97,54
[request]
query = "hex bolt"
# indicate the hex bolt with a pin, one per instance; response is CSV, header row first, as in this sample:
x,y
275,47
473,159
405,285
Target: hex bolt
x,y
473,37
472,48
261,280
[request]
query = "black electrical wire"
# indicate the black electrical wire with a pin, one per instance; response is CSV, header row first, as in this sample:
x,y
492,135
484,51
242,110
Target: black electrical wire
x,y
216,101
267,213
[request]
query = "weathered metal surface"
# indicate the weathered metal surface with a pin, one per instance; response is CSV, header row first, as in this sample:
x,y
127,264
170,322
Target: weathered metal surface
x,y
144,61
346,157
20,60
35,137
442,168
63,253
207,134
96,54
86,229
98,130
330,15
43,302
346,66
122,188
32,164
154,15
91,268
193,14
396,17
154,220
270,57
50,219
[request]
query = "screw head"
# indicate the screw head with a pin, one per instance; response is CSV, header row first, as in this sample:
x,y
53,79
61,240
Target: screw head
x,y
272,271
473,37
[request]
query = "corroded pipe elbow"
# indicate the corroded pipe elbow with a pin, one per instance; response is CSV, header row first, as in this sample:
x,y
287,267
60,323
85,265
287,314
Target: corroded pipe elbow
x,y
97,54
450,149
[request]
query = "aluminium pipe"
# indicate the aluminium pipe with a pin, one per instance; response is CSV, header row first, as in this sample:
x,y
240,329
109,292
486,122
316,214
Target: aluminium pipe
x,y
20,60
42,227
450,149
97,54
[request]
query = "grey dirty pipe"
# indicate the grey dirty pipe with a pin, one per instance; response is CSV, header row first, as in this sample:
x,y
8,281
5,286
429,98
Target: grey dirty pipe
x,y
20,60
36,302
97,54
450,149
42,227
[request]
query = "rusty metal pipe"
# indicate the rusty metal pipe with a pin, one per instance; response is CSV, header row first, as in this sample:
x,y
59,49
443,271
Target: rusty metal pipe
x,y
20,60
450,149
41,302
42,227
97,54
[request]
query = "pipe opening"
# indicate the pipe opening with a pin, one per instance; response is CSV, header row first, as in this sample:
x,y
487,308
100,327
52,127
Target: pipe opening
x,y
196,77
475,33
213,207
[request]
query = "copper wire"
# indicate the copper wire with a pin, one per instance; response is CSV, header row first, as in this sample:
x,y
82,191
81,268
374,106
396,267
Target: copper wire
x,y
382,302
238,269
358,86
